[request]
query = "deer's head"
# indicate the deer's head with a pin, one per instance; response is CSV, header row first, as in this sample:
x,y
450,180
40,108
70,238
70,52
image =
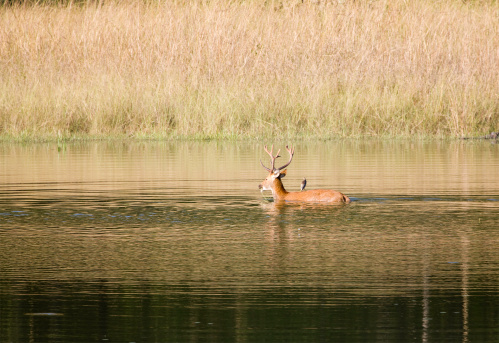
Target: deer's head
x,y
275,174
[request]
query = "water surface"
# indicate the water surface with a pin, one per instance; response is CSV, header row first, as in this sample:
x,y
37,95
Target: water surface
x,y
173,242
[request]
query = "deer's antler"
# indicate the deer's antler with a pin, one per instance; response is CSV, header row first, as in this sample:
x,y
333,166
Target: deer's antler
x,y
272,158
291,153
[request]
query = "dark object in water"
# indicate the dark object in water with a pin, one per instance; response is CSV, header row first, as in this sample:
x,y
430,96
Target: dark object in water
x,y
492,135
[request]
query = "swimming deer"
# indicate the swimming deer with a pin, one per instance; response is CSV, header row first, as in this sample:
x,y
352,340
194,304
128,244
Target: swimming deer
x,y
273,183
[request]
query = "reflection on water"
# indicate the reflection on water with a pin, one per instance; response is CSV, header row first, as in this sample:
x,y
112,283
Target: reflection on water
x,y
162,241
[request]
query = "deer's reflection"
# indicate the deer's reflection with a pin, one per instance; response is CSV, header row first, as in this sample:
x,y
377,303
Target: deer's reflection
x,y
287,221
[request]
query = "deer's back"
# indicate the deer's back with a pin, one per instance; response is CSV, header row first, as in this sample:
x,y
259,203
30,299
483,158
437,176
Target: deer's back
x,y
317,195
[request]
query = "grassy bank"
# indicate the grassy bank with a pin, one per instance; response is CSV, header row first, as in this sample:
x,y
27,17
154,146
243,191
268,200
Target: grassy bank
x,y
250,69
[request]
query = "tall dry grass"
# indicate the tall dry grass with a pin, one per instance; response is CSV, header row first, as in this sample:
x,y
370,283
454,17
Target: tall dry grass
x,y
224,68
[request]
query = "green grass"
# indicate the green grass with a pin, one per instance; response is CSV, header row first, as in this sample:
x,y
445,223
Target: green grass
x,y
223,69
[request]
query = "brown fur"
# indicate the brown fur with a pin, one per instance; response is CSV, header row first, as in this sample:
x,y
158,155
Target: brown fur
x,y
318,195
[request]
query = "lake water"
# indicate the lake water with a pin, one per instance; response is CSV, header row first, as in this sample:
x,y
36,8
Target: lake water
x,y
173,242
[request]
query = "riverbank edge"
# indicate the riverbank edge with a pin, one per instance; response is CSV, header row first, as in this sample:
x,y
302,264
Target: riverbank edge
x,y
199,137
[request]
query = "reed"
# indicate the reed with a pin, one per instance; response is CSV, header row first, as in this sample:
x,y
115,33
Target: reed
x,y
249,69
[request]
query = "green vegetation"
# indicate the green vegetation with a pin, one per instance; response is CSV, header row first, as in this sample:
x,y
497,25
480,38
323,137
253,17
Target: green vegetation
x,y
249,69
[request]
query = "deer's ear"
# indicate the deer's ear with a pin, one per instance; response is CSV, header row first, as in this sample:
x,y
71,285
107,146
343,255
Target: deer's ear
x,y
283,173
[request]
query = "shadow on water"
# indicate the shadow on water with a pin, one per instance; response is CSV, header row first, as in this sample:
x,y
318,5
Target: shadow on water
x,y
95,247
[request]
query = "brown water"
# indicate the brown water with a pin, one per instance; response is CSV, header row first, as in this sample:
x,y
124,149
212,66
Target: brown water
x,y
173,242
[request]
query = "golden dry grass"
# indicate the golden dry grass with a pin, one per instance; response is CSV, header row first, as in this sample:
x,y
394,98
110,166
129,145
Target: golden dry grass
x,y
225,69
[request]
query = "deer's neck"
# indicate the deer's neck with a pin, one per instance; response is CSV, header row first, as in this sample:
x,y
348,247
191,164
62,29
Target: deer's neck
x,y
278,190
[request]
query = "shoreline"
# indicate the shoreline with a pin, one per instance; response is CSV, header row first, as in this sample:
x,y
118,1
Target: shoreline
x,y
7,139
